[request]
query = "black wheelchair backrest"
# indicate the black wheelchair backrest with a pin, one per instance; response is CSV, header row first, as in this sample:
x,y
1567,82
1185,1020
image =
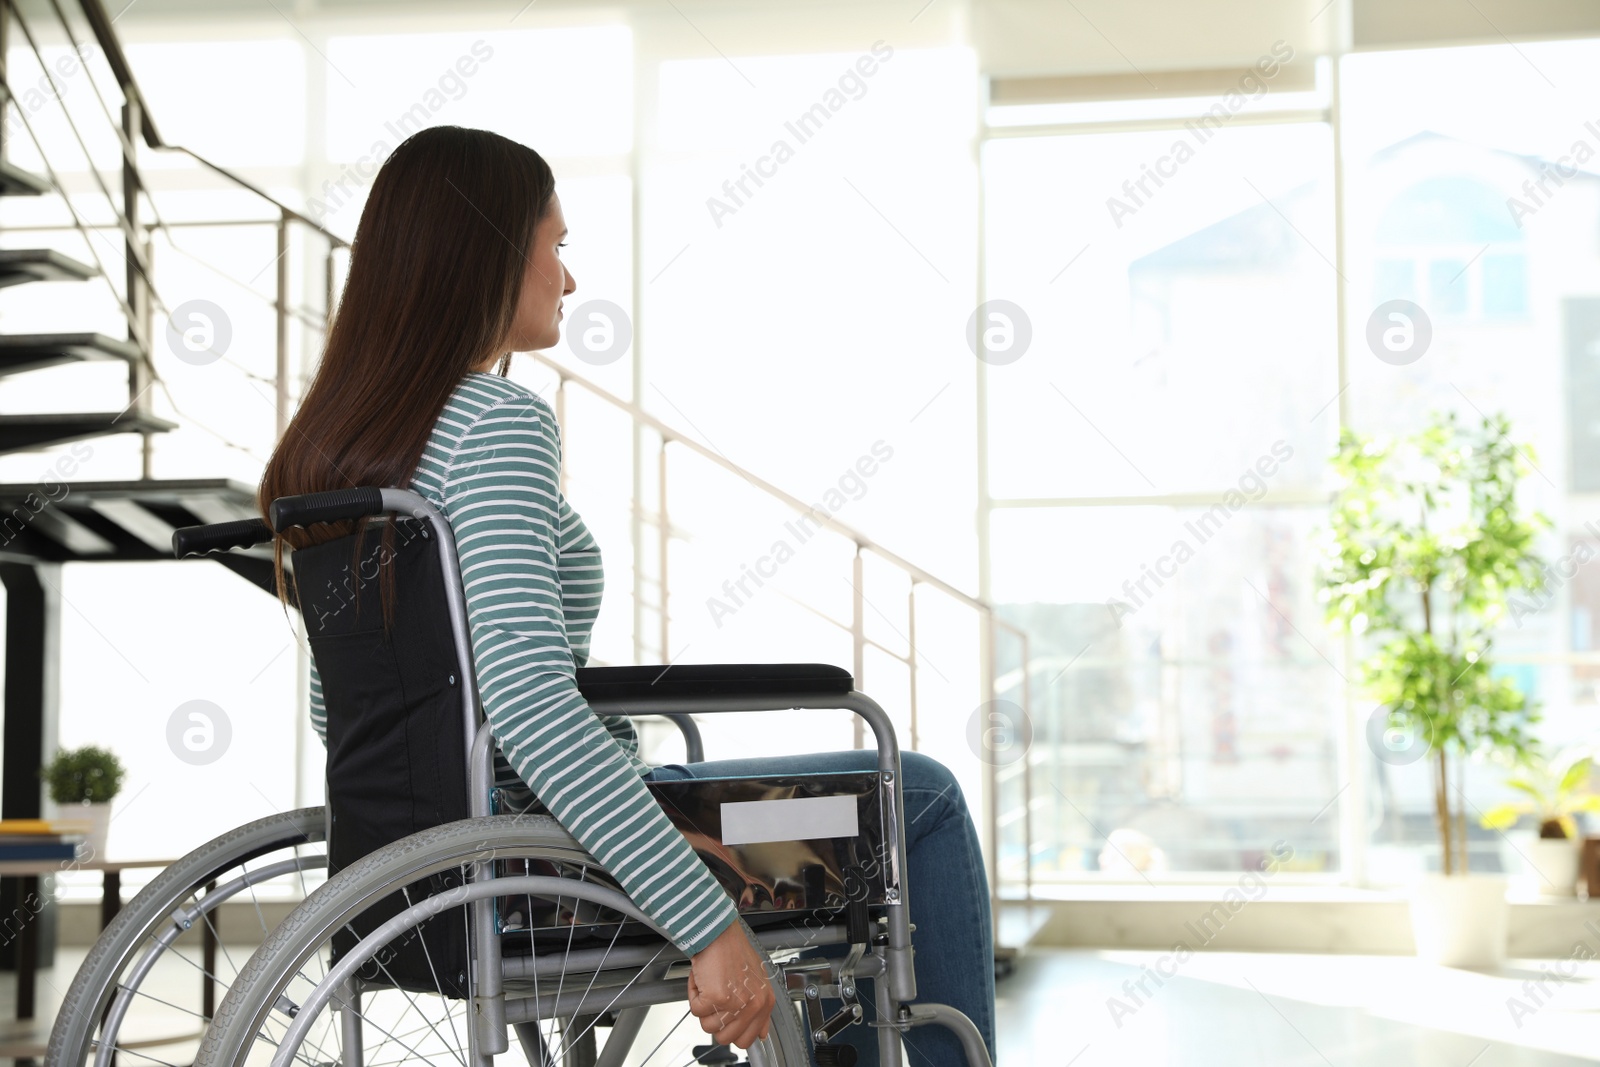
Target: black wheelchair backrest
x,y
396,754
396,761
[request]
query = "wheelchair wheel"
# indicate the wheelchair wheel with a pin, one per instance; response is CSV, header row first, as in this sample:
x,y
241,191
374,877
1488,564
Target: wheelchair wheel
x,y
596,986
111,1007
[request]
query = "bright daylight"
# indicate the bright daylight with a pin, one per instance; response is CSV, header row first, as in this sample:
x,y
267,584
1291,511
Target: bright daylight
x,y
921,533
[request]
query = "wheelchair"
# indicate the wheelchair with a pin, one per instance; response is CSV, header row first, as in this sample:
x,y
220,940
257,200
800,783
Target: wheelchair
x,y
448,928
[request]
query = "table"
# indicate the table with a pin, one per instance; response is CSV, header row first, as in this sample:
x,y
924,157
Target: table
x,y
29,871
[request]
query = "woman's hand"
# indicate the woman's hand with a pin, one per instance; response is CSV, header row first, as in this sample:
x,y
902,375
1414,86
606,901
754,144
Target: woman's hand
x,y
729,991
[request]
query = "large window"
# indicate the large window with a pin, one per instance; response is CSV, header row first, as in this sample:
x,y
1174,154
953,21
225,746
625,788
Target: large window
x,y
1472,194
1177,294
1156,455
794,240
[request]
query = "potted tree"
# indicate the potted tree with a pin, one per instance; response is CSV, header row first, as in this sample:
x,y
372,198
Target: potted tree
x,y
1557,790
1426,545
83,781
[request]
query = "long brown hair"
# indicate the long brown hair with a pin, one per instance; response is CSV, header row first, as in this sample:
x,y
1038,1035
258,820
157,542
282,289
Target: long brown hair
x,y
436,267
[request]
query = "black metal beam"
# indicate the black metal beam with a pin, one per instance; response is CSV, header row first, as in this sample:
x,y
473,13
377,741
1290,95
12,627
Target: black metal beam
x,y
21,794
28,666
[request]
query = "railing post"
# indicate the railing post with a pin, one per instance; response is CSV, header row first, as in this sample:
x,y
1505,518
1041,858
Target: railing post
x,y
636,532
911,656
139,375
281,329
665,525
991,790
858,639
1027,772
327,287
560,407
5,50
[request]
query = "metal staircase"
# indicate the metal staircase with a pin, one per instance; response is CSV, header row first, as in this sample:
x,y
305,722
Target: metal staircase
x,y
107,520
109,226
31,352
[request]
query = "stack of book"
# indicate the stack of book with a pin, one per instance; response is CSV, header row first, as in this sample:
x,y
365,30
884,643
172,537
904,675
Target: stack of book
x,y
40,839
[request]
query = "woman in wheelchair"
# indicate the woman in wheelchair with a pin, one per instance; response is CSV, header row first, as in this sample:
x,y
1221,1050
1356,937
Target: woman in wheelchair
x,y
455,266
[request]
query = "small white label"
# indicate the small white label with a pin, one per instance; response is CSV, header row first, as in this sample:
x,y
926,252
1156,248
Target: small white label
x,y
749,822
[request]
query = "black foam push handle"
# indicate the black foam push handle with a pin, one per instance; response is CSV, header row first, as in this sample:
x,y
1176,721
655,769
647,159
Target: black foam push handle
x,y
219,537
334,505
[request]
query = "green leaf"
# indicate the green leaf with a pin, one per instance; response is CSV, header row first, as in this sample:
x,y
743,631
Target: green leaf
x,y
91,775
1427,553
1539,795
1575,776
1503,816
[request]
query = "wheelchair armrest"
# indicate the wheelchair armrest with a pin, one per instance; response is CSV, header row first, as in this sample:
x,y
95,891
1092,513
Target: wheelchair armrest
x,y
219,537
640,682
694,745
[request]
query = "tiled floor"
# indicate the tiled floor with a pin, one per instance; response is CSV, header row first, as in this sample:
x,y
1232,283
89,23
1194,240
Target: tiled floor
x,y
1237,1010
1283,1010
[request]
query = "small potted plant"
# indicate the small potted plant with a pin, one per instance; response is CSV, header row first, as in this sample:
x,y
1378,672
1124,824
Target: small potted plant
x,y
1556,790
83,782
1426,546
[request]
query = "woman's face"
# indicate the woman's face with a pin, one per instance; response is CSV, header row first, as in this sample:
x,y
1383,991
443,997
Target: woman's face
x,y
544,283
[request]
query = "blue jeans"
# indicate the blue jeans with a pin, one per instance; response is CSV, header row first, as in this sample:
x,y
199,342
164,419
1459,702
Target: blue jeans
x,y
948,890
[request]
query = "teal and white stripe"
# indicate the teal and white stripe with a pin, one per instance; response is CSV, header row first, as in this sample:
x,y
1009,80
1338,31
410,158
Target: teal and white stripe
x,y
533,579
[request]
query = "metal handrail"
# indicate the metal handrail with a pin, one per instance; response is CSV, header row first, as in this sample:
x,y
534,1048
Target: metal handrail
x,y
671,433
300,314
106,37
286,212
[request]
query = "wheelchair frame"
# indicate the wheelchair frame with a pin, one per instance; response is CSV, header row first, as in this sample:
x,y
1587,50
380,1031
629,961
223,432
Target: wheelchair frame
x,y
887,957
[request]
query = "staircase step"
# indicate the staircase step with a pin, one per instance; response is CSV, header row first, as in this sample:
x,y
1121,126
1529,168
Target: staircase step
x,y
32,351
123,520
14,181
22,433
19,265
132,520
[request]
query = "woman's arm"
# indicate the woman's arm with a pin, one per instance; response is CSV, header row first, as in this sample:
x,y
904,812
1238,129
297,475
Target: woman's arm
x,y
501,497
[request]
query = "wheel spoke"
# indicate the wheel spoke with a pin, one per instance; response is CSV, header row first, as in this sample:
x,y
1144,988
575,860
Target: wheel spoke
x,y
664,1037
411,1005
143,1056
450,1015
596,1019
415,1020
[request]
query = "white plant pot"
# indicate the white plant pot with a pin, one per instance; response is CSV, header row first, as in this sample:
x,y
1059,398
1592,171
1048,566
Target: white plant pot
x,y
1460,920
1555,865
98,817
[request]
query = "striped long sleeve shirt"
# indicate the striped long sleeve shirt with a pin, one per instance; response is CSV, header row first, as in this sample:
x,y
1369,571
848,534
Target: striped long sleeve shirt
x,y
533,580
